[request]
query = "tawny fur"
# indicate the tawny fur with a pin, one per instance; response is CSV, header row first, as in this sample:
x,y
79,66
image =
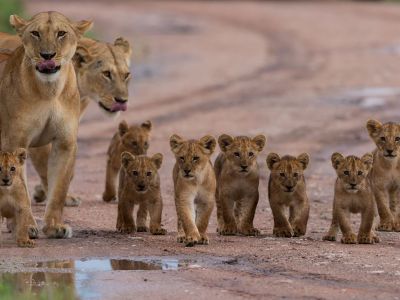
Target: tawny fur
x,y
139,184
385,173
37,109
195,186
133,139
353,194
287,189
237,175
14,200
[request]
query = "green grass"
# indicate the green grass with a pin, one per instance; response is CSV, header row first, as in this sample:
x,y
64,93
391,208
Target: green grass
x,y
7,8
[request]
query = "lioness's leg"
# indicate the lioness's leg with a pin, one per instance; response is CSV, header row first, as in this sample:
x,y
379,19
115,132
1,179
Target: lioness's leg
x,y
246,215
141,219
227,205
386,217
155,210
299,218
204,209
185,210
60,167
344,222
282,226
110,190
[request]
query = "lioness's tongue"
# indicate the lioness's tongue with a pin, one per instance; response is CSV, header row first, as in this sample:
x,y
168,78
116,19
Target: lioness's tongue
x,y
118,107
46,65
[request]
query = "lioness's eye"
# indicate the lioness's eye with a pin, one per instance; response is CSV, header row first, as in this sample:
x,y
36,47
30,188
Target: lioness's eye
x,y
383,139
360,173
237,154
135,173
347,173
295,174
12,169
182,158
148,173
282,174
61,33
35,33
397,139
251,154
107,74
196,158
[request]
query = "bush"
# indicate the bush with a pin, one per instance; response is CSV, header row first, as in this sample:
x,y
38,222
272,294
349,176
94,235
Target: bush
x,y
7,8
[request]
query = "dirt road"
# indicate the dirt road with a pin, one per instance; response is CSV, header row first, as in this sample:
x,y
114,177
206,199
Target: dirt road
x,y
308,75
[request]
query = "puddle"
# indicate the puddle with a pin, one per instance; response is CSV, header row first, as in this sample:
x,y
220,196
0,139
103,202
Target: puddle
x,y
72,279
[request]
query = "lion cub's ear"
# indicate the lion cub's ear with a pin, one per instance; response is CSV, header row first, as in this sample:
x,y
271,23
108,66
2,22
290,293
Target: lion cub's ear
x,y
175,143
123,44
337,159
368,160
82,56
208,144
147,125
123,128
157,160
259,141
21,154
82,26
272,159
126,158
374,127
18,24
224,141
304,159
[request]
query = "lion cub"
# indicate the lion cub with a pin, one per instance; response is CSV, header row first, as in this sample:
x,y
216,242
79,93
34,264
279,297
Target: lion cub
x,y
194,184
237,174
353,194
139,183
14,200
385,173
287,188
134,139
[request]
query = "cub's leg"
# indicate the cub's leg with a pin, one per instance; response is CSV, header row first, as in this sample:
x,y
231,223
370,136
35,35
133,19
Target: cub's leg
x,y
110,190
246,215
365,235
181,232
333,230
185,209
386,217
125,221
344,222
22,216
220,215
299,218
141,217
229,225
204,208
395,208
155,210
282,226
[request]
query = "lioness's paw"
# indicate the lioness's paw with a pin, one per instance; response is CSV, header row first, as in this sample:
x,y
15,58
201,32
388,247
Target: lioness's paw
x,y
204,240
33,232
376,238
329,237
72,201
192,239
250,231
109,198
142,229
180,238
39,194
298,232
349,239
158,231
26,243
126,228
283,232
396,226
59,231
365,238
228,230
385,226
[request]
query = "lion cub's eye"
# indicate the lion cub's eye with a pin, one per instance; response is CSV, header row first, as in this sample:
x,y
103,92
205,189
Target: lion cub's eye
x,y
35,33
196,158
134,143
383,139
397,139
61,33
12,169
148,173
135,173
282,174
360,173
107,74
127,76
237,154
182,158
251,154
146,144
295,174
347,173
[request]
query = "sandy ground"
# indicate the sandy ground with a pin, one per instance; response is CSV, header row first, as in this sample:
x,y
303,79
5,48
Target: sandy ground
x,y
308,75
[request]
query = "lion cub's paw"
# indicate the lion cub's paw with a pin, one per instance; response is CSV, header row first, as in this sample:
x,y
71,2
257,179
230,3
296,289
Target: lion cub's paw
x,y
72,201
180,238
228,230
126,228
365,238
33,232
192,239
109,198
59,231
204,240
26,243
283,232
376,238
329,237
250,231
142,229
385,226
297,232
158,231
396,226
349,239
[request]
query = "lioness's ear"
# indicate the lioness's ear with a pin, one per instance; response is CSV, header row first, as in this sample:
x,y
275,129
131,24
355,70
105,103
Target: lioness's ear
x,y
21,154
123,128
125,47
337,159
126,158
272,159
224,141
208,143
259,141
304,159
82,56
147,125
157,160
82,26
18,24
374,127
368,160
175,142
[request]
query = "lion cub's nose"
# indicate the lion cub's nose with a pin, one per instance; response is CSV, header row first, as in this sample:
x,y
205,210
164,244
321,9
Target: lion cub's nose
x,y
353,185
187,171
47,56
244,168
6,180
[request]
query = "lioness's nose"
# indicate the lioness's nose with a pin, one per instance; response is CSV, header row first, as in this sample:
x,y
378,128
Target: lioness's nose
x,y
120,100
47,55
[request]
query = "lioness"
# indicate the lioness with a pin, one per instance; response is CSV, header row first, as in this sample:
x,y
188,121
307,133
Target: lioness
x,y
194,185
14,199
353,194
39,102
237,175
134,139
287,188
102,71
139,183
385,173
